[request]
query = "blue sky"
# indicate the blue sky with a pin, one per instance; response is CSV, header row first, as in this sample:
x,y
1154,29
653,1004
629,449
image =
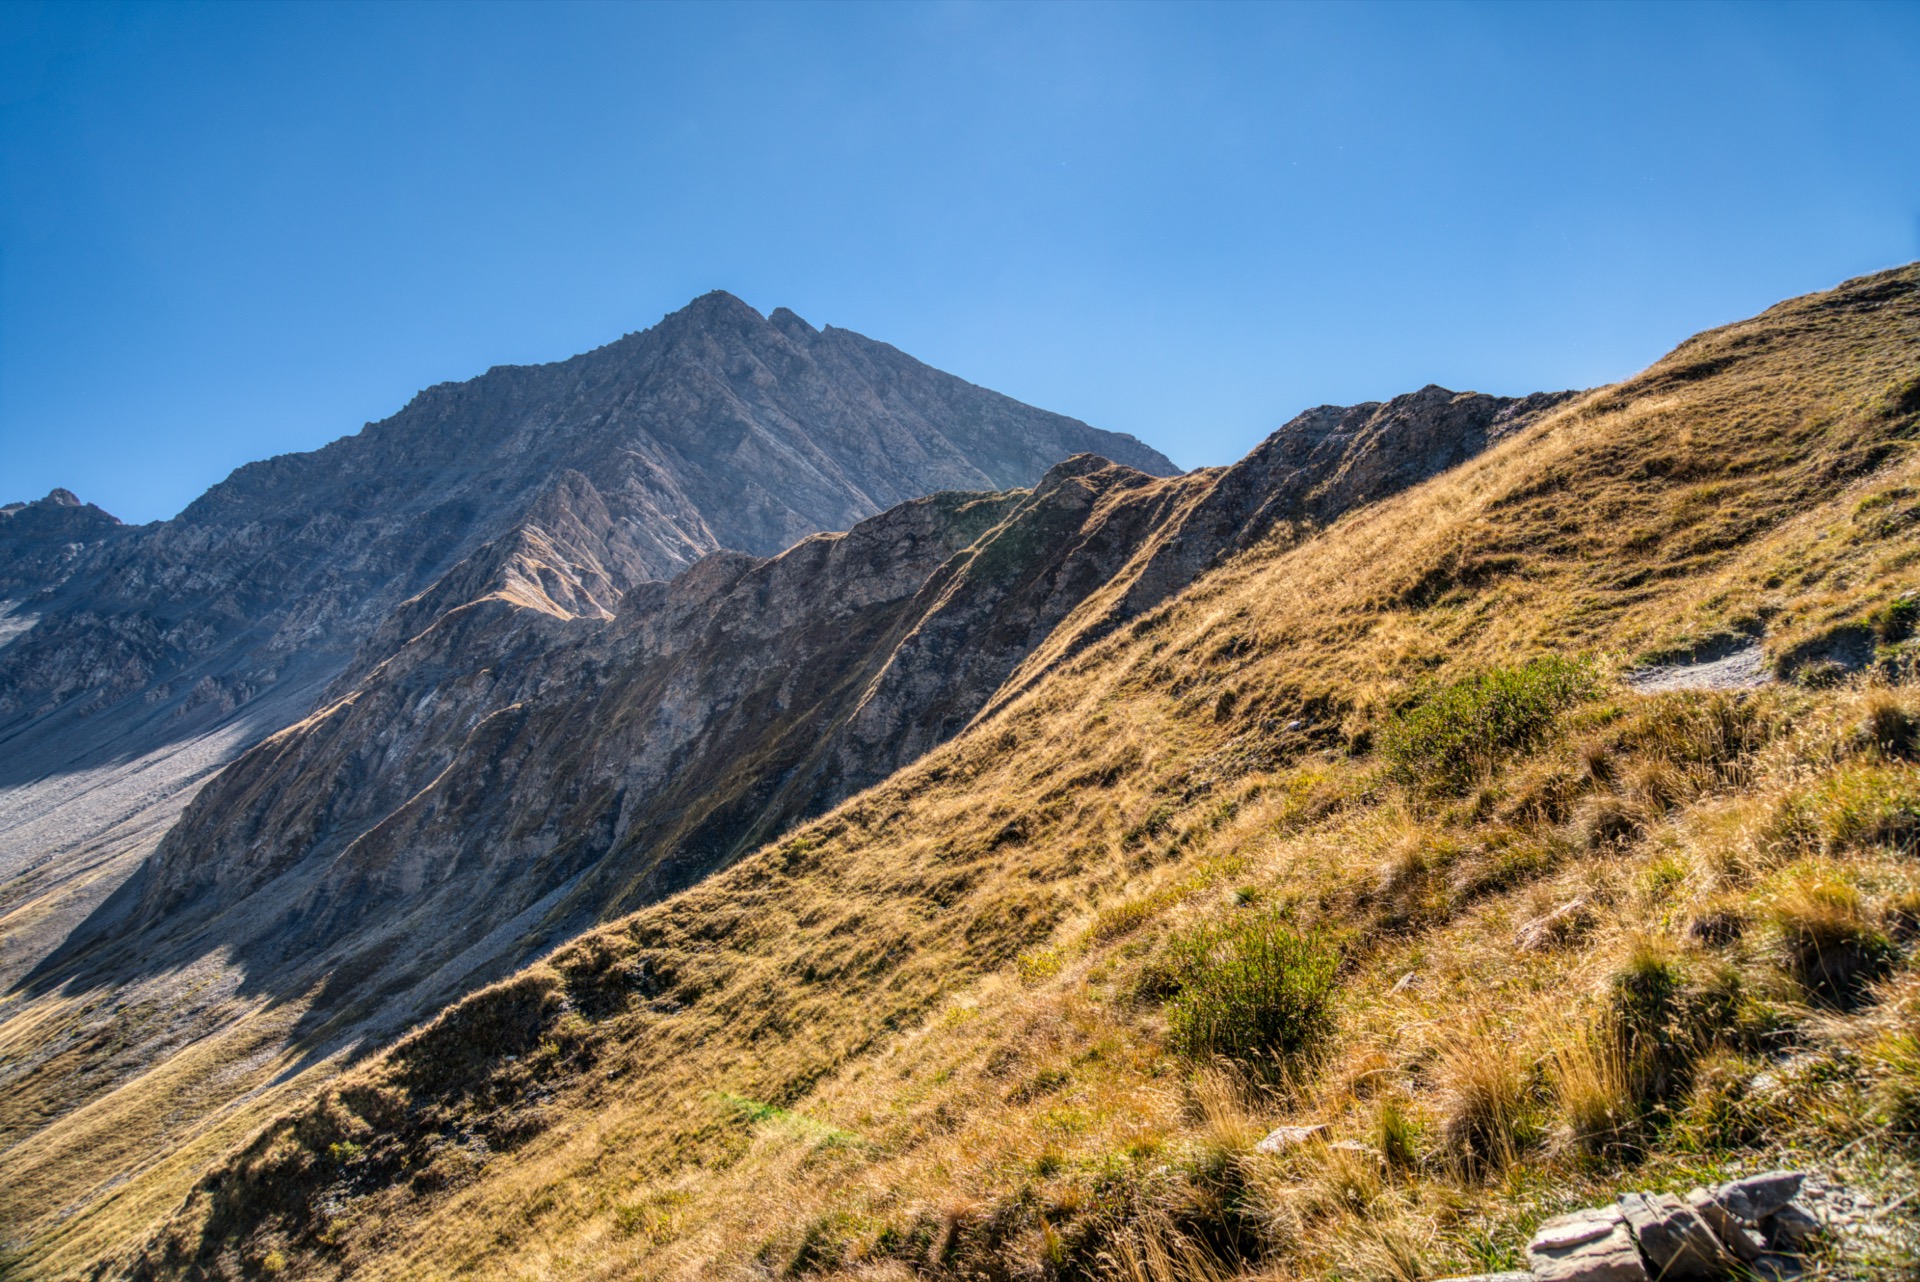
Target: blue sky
x,y
237,230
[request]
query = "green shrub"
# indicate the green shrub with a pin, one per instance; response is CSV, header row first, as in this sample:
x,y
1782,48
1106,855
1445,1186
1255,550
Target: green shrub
x,y
1254,990
1455,734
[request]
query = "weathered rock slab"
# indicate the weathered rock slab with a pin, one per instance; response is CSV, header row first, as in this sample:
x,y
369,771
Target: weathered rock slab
x,y
1593,1245
1677,1242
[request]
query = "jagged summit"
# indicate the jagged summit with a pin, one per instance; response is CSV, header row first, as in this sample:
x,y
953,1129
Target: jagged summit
x,y
58,497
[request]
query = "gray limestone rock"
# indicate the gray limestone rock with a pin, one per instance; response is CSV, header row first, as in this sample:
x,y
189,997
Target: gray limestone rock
x,y
1674,1238
1282,1138
1777,1268
1755,1197
1593,1245
1739,1237
1792,1228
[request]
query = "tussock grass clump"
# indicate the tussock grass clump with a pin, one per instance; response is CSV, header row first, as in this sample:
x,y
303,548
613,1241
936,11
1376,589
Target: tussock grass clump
x,y
1857,809
1454,735
1897,1093
1490,1115
1829,941
1256,990
1890,728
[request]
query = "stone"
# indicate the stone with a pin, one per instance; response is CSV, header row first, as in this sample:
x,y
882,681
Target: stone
x,y
1792,1228
1675,1239
1490,1277
1740,1239
1593,1245
1757,1196
1282,1138
1776,1268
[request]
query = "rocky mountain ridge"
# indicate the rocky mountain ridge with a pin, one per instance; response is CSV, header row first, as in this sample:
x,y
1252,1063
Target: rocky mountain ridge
x,y
715,428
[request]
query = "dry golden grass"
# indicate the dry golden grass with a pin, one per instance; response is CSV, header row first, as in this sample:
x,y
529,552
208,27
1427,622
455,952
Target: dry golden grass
x,y
919,1037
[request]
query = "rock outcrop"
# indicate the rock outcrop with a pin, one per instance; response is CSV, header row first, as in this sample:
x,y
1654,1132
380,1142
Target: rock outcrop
x,y
1760,1227
42,541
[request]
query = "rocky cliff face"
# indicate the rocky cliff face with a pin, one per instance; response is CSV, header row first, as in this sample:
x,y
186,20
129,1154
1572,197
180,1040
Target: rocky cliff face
x,y
717,428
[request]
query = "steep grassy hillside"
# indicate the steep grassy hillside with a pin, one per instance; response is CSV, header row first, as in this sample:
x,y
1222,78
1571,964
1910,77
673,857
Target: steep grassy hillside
x,y
1363,830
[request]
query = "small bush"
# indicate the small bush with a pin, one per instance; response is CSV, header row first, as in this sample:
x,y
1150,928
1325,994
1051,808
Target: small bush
x,y
1650,1040
1456,734
1717,1113
1253,990
1889,728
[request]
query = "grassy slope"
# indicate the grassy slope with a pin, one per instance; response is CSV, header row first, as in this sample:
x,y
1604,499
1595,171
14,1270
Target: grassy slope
x,y
930,1030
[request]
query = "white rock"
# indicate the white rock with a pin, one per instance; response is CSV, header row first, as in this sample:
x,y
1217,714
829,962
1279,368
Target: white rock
x,y
1286,1137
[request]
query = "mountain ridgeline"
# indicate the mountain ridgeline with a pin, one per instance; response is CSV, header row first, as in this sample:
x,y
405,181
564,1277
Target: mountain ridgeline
x,y
572,644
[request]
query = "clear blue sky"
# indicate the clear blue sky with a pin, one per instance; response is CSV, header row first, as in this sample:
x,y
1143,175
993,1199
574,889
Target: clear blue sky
x,y
236,230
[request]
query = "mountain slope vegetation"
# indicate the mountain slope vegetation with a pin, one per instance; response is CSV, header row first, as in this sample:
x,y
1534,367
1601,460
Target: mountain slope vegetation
x,y
1371,828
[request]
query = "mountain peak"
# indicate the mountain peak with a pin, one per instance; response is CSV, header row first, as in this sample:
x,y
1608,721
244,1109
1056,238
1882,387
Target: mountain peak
x,y
717,305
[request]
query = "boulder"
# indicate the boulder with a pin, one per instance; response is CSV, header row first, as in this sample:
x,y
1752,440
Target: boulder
x,y
1739,1237
1593,1245
1758,1196
1675,1239
1772,1267
1791,1228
